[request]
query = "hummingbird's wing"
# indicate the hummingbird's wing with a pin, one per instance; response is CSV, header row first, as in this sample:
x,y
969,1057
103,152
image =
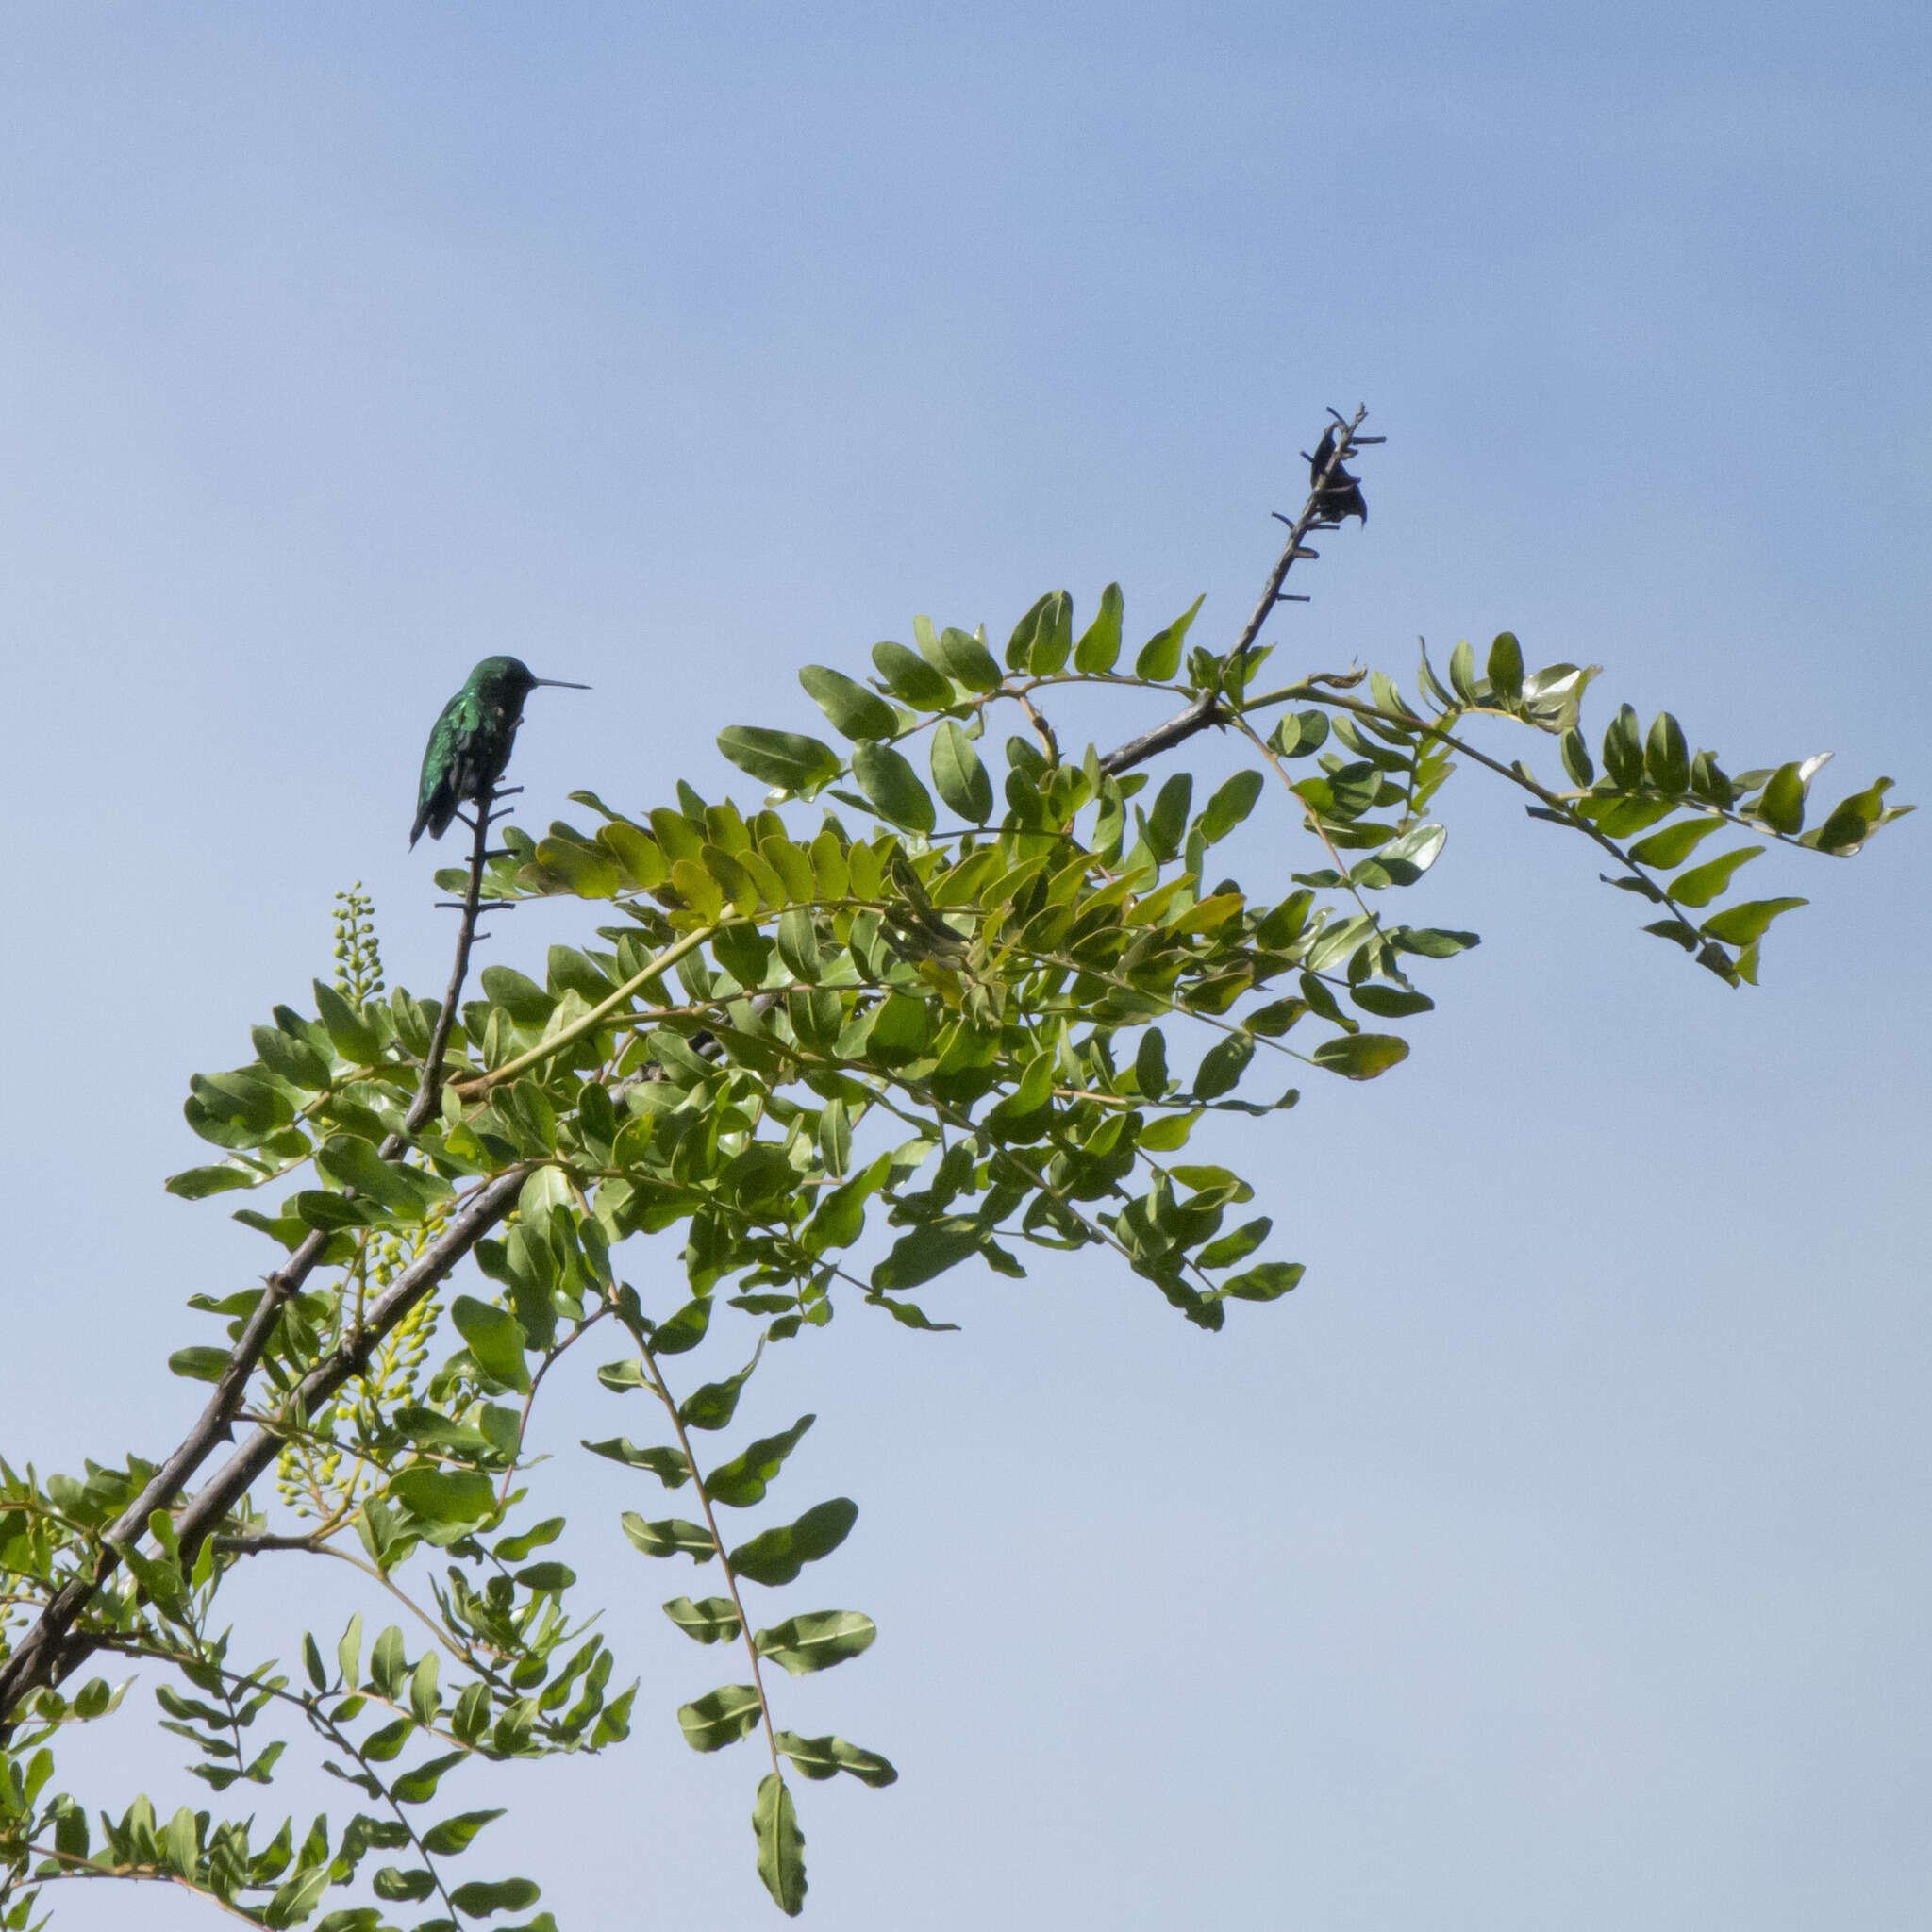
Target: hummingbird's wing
x,y
447,766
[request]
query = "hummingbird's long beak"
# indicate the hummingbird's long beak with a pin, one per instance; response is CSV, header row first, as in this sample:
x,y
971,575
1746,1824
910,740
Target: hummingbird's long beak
x,y
560,683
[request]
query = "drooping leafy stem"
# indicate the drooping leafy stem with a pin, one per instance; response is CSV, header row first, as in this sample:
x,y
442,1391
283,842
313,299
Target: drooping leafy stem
x,y
655,1374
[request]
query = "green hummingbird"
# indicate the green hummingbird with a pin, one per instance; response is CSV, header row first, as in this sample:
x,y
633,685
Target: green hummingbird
x,y
470,747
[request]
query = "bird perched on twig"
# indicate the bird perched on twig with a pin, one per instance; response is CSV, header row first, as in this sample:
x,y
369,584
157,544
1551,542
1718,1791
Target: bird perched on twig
x,y
1342,495
470,744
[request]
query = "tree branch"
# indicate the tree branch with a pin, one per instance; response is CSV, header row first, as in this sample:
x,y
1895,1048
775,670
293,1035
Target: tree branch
x,y
430,1093
1205,709
45,1655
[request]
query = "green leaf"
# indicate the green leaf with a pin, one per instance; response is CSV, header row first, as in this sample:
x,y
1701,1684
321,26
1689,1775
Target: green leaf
x,y
291,1058
855,711
713,1404
199,1183
775,1556
1670,848
1161,655
816,1640
822,1757
444,1495
743,1481
1406,858
1743,924
1552,696
786,760
1300,733
513,1549
235,1110
1361,1055
1782,805
495,1338
454,1834
719,1717
893,786
297,1898
835,1138
588,870
669,1536
1576,757
667,1465
1703,883
418,1786
396,1887
409,1193
1232,802
1852,820
698,890
198,1364
1431,943
913,679
1389,1002
1506,667
958,775
1043,638
1462,673
518,995
349,1651
1624,751
1666,757
960,656
1710,783
350,1033
1150,1065
924,1252
1170,1132
478,1899
1099,648
1167,822
782,1845
1236,1246
1222,1067
1267,1283
711,1619
424,1700
684,1330
798,944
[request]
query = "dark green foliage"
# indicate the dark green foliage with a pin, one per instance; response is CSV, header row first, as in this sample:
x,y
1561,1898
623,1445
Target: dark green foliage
x,y
813,1059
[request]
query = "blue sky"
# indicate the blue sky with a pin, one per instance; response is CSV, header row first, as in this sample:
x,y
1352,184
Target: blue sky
x,y
1557,1552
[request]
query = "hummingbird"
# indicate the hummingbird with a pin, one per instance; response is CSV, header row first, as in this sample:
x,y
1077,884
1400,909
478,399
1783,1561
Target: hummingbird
x,y
470,747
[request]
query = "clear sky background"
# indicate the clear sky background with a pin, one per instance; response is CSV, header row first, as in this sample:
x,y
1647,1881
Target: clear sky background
x,y
1558,1553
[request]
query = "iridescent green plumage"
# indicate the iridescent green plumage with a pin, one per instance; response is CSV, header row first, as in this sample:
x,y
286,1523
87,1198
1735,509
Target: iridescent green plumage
x,y
470,744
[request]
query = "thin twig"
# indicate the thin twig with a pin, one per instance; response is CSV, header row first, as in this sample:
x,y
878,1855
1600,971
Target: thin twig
x,y
429,1094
